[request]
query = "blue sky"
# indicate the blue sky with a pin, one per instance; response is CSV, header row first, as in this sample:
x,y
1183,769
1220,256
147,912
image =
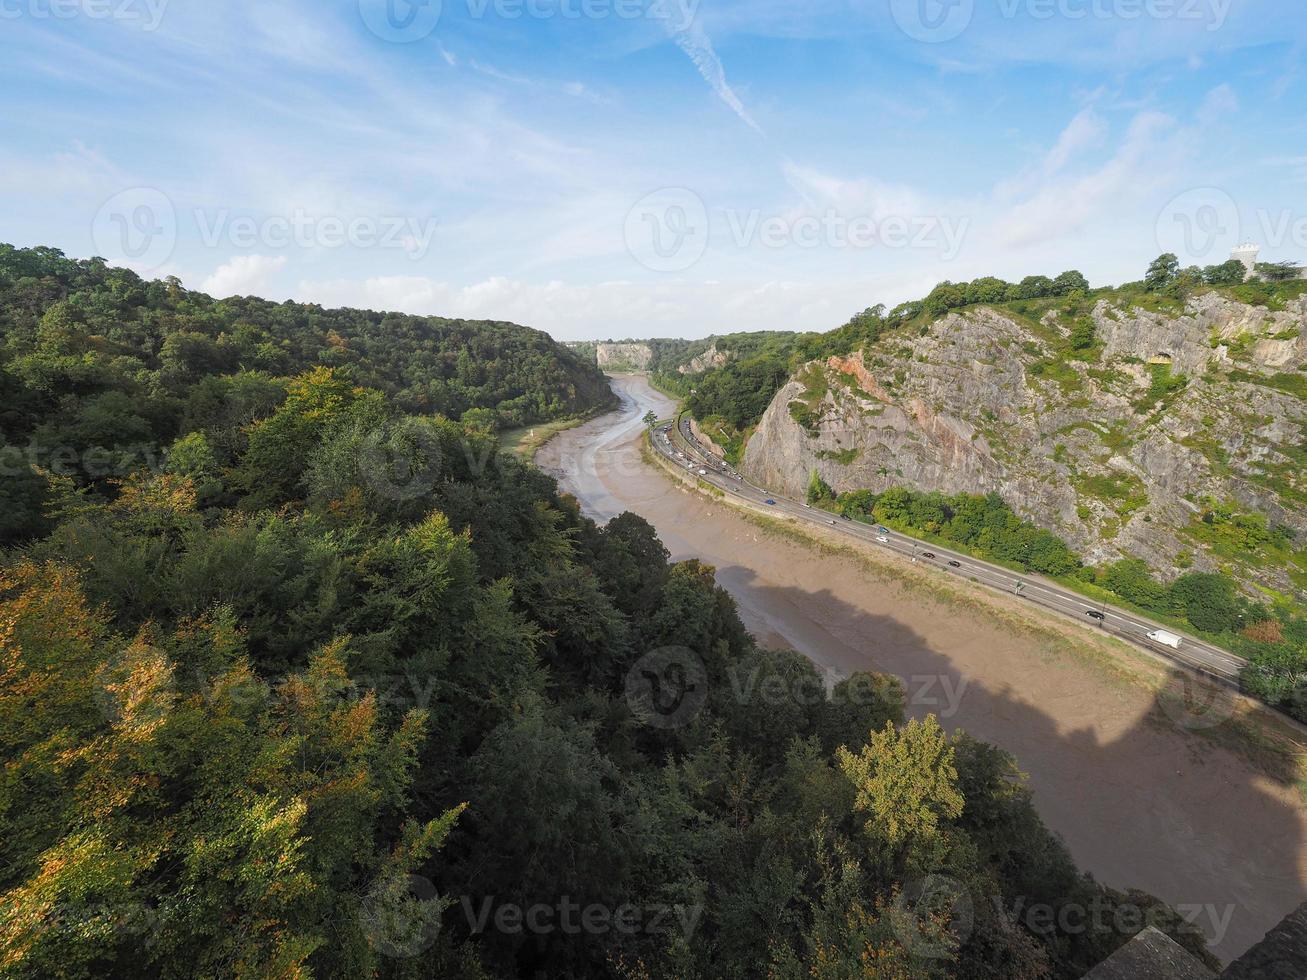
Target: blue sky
x,y
614,168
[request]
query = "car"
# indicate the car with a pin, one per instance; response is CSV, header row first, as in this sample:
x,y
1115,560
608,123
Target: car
x,y
846,517
882,539
809,506
831,523
928,554
1095,614
703,472
955,564
882,529
770,502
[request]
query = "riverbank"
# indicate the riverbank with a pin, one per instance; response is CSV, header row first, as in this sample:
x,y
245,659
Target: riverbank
x,y
1140,799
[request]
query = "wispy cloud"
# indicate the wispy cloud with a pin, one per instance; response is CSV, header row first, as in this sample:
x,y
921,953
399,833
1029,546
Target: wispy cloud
x,y
698,47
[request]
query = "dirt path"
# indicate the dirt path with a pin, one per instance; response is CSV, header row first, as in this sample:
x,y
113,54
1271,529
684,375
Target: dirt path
x,y
1140,803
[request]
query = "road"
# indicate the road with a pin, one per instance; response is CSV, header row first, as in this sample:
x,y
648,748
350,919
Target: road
x,y
1193,654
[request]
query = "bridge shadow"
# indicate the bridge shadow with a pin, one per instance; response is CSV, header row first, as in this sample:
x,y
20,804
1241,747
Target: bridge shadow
x,y
1147,790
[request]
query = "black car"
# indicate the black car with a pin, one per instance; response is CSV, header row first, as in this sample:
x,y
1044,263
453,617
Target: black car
x,y
955,564
928,554
1095,614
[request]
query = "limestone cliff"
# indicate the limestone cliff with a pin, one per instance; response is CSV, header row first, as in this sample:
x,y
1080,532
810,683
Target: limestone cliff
x,y
1115,449
623,357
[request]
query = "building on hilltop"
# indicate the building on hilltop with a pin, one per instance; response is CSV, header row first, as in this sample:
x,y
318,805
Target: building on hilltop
x,y
1248,254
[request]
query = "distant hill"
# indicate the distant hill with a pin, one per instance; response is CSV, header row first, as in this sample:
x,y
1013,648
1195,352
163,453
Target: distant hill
x,y
123,331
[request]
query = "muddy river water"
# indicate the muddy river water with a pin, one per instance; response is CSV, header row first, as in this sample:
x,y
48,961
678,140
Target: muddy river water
x,y
1140,801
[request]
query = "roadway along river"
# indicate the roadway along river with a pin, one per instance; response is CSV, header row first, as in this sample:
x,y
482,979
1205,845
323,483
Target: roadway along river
x,y
1140,801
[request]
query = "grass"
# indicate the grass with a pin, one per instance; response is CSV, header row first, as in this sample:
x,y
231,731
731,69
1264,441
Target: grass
x,y
530,439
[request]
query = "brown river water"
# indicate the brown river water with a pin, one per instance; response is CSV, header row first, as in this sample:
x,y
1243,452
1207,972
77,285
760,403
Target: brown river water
x,y
1140,801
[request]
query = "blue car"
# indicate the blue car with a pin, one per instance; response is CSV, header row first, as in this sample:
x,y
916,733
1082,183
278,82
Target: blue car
x,y
771,502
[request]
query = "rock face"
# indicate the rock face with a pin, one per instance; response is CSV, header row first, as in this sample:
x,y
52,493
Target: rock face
x,y
706,440
623,357
1115,452
708,360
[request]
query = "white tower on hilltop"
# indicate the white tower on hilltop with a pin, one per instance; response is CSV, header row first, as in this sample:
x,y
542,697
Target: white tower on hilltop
x,y
1247,254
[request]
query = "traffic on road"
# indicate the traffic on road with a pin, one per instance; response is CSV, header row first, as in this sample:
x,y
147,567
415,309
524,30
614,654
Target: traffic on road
x,y
678,444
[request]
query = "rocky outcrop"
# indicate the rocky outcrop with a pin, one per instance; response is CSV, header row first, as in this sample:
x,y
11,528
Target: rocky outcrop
x,y
1115,452
706,440
707,361
623,357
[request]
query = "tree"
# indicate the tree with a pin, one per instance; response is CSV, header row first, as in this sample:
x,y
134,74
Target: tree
x,y
1083,333
1230,273
1162,272
906,781
1279,271
650,418
1034,287
1069,282
819,490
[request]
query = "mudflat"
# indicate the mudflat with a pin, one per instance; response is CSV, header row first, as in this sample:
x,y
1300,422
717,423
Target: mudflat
x,y
1141,800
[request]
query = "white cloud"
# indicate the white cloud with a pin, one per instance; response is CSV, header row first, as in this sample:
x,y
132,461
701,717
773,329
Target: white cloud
x,y
1220,104
244,275
1061,204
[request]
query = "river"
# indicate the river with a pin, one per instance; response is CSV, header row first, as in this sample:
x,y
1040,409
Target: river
x,y
1140,801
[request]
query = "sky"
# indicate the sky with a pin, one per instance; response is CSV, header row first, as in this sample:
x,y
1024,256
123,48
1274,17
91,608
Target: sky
x,y
649,168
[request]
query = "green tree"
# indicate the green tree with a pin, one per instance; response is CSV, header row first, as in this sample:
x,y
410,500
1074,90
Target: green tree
x,y
819,491
1279,271
1162,273
1230,273
907,782
1070,282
